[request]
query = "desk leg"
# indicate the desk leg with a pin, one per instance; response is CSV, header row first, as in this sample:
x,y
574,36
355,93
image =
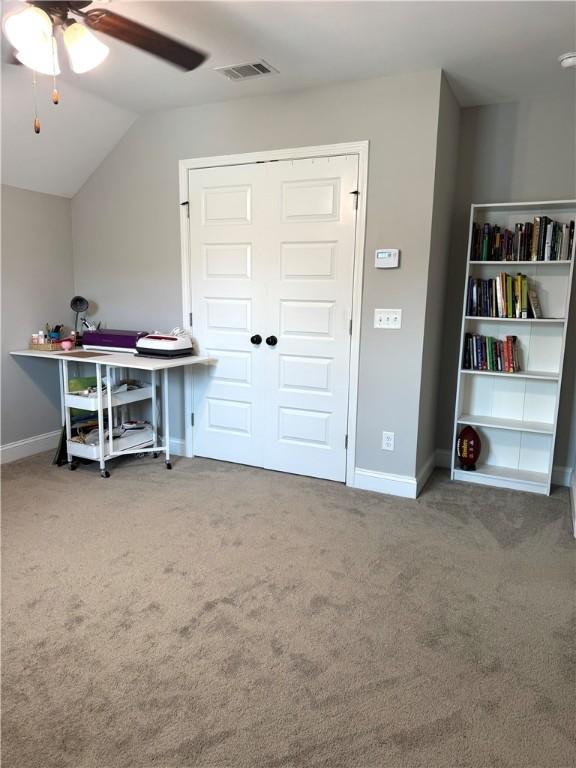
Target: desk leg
x,y
109,410
64,390
188,410
61,364
103,471
166,417
154,410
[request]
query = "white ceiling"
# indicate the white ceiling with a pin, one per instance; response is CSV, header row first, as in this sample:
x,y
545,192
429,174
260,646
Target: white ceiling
x,y
75,136
491,52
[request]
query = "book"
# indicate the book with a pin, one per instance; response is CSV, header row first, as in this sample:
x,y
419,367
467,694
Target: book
x,y
502,296
548,241
486,353
535,304
542,239
485,242
542,236
509,305
524,298
535,239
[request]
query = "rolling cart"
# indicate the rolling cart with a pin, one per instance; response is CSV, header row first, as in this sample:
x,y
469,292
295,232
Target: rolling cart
x,y
116,365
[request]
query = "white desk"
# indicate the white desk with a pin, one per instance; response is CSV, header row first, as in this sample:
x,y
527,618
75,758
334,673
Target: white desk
x,y
115,360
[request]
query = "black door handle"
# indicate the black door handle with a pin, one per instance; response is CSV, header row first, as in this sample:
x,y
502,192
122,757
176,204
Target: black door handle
x,y
256,339
271,341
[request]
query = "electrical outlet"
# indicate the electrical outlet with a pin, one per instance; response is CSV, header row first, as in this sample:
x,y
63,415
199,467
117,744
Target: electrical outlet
x,y
388,318
387,441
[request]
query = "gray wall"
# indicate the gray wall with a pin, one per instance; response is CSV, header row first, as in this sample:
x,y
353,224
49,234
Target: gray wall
x,y
37,286
127,239
516,153
444,184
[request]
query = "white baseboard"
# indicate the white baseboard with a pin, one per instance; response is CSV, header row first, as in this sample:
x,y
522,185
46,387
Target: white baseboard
x,y
177,446
382,482
560,475
425,472
29,446
395,485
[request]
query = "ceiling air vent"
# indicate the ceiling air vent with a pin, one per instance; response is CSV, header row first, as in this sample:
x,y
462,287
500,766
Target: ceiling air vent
x,y
247,71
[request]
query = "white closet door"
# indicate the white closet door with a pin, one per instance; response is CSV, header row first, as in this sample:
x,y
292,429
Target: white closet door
x,y
272,253
226,241
309,306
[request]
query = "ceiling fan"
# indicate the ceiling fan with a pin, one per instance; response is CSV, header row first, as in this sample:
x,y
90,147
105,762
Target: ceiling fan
x,y
29,28
32,34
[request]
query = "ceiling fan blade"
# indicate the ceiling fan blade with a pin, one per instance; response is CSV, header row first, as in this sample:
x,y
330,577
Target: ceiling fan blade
x,y
166,48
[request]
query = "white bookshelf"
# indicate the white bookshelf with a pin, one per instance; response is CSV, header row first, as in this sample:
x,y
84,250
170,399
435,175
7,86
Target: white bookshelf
x,y
516,414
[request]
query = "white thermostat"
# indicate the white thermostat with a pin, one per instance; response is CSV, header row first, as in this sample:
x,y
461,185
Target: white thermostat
x,y
387,258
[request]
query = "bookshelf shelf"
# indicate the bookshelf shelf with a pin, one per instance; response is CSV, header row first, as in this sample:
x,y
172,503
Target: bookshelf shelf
x,y
539,427
514,413
538,320
505,477
504,263
543,375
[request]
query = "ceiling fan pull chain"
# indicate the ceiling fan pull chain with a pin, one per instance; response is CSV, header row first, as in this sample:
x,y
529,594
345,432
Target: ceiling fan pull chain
x,y
55,92
36,119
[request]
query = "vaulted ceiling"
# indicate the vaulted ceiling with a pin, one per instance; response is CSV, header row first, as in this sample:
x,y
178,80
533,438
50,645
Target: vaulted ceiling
x,y
491,52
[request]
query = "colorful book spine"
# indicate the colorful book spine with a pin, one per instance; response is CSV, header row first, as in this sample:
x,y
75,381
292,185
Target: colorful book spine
x,y
535,239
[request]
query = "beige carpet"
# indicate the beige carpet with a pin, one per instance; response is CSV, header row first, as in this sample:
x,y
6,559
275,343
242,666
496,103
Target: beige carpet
x,y
218,615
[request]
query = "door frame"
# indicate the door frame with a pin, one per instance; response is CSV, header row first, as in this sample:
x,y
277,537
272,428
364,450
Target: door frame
x,y
359,148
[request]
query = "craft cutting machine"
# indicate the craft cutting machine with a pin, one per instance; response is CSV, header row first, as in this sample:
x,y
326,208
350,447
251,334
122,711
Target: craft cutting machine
x,y
165,345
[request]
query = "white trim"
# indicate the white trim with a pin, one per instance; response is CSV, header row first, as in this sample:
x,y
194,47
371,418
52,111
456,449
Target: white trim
x,y
177,446
425,472
359,148
20,449
382,482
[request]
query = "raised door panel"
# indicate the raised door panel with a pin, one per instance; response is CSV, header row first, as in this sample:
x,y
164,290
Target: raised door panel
x,y
226,205
232,261
311,200
308,261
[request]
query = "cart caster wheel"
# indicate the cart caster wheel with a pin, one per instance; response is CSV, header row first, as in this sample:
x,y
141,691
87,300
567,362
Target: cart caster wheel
x,y
104,473
155,455
72,466
168,465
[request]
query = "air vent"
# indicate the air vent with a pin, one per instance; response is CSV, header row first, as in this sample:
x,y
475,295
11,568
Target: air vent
x,y
247,71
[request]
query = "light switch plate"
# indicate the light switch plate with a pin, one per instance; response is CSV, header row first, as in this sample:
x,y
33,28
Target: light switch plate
x,y
391,319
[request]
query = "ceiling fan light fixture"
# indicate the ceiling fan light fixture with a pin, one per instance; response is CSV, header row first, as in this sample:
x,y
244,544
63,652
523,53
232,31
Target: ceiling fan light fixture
x,y
568,60
84,49
28,28
42,58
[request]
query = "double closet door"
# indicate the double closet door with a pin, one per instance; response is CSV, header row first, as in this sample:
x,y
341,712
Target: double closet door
x,y
272,261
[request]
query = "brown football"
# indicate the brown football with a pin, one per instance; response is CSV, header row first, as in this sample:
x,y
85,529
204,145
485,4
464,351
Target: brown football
x,y
468,447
